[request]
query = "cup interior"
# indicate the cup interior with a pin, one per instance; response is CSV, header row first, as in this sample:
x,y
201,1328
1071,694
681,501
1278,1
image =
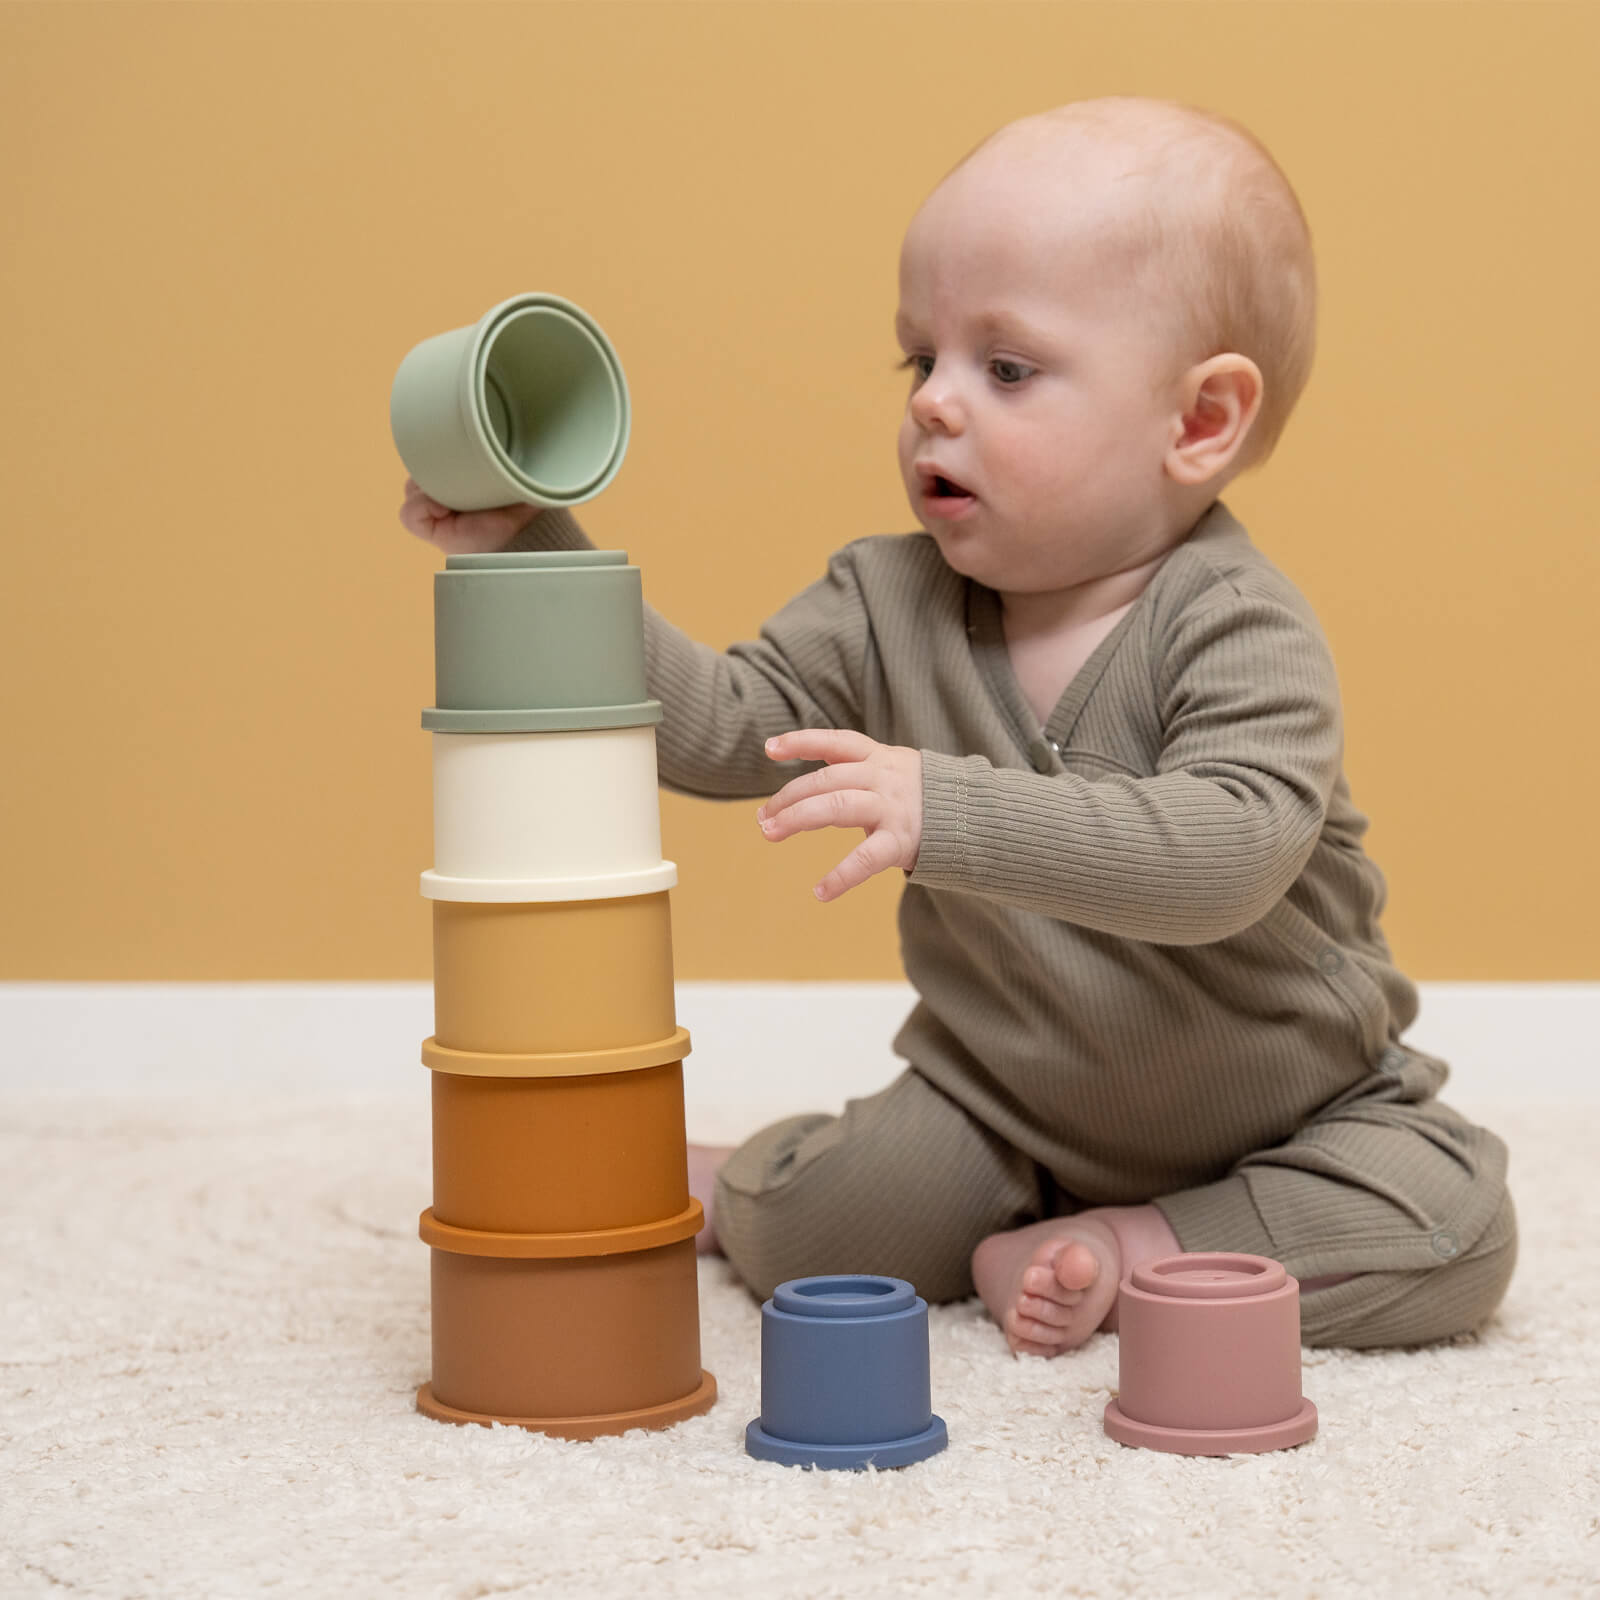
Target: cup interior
x,y
852,1289
844,1295
551,400
1210,1275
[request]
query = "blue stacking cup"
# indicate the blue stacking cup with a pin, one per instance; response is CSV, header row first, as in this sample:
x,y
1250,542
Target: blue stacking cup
x,y
844,1375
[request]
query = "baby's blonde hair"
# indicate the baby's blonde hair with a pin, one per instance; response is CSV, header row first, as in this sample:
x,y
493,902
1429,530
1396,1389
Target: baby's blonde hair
x,y
1216,227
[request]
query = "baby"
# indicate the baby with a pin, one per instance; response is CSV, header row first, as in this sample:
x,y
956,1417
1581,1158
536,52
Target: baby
x,y
1100,734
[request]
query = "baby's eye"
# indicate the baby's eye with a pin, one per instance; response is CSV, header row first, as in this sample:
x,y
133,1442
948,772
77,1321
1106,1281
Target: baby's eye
x,y
920,365
1010,372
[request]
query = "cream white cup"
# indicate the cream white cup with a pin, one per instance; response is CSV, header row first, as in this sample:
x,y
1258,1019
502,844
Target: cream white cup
x,y
546,816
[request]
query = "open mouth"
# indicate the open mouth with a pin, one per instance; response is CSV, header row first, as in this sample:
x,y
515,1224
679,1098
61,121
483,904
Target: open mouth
x,y
938,487
942,496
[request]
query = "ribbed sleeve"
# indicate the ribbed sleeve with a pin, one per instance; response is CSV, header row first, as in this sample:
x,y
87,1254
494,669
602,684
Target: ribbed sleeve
x,y
1198,850
719,708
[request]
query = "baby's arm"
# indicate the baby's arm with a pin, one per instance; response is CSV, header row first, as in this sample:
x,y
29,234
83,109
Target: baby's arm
x,y
1249,704
719,708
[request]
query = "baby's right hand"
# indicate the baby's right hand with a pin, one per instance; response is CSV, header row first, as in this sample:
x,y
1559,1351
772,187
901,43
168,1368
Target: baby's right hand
x,y
462,533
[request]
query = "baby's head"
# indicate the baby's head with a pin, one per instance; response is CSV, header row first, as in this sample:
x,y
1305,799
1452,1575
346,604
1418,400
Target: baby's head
x,y
1109,312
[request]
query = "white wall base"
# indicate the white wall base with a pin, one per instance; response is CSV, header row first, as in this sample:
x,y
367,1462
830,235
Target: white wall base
x,y
761,1050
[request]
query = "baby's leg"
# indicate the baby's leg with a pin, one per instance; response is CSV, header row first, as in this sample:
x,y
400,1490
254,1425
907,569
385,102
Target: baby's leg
x,y
705,1162
1390,1208
904,1184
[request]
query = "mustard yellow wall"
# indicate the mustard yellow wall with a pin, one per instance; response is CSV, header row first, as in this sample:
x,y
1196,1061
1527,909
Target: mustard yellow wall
x,y
223,225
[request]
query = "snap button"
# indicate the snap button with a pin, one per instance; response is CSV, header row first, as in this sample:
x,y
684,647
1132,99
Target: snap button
x,y
1330,961
1445,1245
1055,749
1392,1061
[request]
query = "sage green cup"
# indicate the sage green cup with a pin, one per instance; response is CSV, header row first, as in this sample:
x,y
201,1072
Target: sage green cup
x,y
528,404
539,641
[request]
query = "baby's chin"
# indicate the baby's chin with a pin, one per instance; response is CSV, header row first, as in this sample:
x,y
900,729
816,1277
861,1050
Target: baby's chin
x,y
964,551
986,548
1011,574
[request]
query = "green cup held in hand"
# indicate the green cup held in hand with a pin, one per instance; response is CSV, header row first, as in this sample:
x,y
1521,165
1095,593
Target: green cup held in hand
x,y
526,408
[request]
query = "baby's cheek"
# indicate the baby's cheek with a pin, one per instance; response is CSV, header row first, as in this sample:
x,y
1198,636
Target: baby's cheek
x,y
906,451
1044,467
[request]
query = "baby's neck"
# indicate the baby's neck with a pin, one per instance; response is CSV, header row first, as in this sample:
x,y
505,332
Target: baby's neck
x,y
1053,612
1049,636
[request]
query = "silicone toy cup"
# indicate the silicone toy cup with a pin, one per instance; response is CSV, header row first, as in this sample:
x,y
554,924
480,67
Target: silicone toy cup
x,y
577,1334
538,641
546,816
552,975
844,1375
1210,1357
555,1155
528,404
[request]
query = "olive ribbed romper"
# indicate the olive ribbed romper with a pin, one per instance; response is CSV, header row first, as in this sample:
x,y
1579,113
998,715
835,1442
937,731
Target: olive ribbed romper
x,y
1145,938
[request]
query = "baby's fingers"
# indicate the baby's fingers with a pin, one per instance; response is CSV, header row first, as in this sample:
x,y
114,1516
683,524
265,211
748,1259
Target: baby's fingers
x,y
823,780
415,491
838,808
876,852
821,744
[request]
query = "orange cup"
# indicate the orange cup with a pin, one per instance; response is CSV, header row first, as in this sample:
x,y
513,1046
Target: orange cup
x,y
553,1155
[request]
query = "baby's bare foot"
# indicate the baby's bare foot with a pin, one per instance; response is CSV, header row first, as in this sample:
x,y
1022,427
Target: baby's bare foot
x,y
1050,1284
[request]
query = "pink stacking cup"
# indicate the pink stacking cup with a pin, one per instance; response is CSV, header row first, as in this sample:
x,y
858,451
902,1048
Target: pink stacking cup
x,y
1210,1357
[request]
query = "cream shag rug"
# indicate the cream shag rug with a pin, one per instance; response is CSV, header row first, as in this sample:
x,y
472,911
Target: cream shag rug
x,y
215,1317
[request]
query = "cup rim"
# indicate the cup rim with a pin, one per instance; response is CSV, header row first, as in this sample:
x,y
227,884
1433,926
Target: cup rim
x,y
840,1295
627,1240
545,562
555,1063
1210,1275
474,399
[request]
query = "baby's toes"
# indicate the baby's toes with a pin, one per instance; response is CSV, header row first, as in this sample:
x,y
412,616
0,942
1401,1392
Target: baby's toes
x,y
1075,1268
1046,1313
1041,1283
1028,1336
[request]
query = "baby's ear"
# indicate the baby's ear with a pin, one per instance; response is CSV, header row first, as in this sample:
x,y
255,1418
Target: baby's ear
x,y
1222,398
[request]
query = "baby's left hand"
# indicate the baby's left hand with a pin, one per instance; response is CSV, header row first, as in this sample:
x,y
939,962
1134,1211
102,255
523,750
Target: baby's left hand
x,y
866,785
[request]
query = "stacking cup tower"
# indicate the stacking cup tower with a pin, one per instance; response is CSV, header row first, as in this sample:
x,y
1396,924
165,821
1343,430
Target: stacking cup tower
x,y
562,1228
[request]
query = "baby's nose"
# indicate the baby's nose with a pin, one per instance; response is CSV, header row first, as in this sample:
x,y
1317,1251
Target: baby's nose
x,y
936,404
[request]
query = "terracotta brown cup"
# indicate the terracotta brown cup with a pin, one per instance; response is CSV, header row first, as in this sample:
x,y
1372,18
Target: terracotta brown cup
x,y
559,1155
577,1335
557,975
1209,1357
